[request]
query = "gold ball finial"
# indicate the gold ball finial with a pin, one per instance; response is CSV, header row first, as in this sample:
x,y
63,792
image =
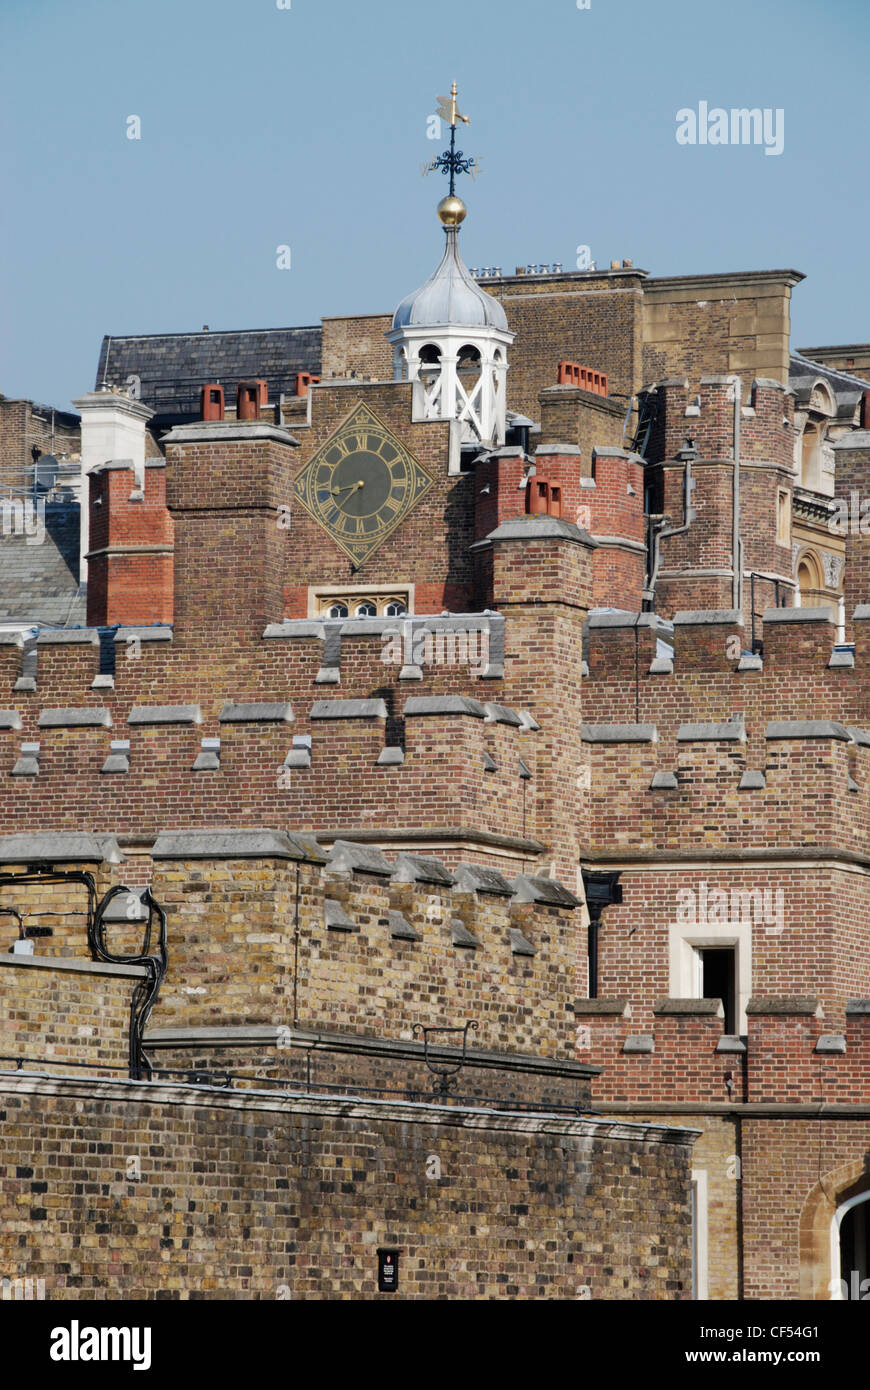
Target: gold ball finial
x,y
452,211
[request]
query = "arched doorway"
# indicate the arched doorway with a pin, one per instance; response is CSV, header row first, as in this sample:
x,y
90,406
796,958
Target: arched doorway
x,y
826,1208
850,1245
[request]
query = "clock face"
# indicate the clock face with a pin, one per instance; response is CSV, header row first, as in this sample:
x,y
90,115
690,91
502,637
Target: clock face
x,y
361,484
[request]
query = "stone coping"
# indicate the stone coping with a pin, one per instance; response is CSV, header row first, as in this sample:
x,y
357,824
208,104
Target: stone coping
x,y
474,878
165,714
856,439
253,713
318,628
65,847
806,728
700,617
731,730
599,620
96,718
74,636
502,714
350,856
600,1008
235,844
822,614
530,889
420,868
454,1117
536,528
688,1008
144,634
258,1035
349,709
783,1004
76,967
419,705
619,733
225,431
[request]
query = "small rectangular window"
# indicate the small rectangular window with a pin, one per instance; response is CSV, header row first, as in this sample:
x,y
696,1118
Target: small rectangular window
x,y
717,979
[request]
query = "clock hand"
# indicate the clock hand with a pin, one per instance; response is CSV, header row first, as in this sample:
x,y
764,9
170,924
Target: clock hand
x,y
354,487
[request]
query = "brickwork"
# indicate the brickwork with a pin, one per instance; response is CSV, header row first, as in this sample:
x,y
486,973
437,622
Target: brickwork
x,y
65,1019
23,425
650,745
696,569
252,944
591,318
570,415
716,1160
355,346
130,564
698,324
523,1207
795,1176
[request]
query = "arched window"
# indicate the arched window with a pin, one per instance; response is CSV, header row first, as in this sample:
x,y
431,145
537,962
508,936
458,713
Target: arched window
x,y
337,610
395,609
468,359
430,360
821,410
366,609
810,581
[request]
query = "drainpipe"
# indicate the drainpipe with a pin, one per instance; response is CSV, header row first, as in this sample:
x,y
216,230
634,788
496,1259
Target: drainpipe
x,y
736,558
687,456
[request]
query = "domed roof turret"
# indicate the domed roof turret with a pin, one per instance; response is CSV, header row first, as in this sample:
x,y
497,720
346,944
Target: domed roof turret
x,y
451,296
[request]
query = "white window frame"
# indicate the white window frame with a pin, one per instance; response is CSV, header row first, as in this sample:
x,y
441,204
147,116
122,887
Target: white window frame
x,y
700,1236
684,943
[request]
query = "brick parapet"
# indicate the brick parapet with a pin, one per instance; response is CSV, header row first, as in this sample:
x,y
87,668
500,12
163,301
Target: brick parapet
x,y
790,1055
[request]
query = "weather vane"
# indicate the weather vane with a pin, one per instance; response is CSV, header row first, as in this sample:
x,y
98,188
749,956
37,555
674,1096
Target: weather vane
x,y
452,161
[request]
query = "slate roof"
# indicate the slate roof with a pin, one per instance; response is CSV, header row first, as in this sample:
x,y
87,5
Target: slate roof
x,y
172,367
847,389
39,583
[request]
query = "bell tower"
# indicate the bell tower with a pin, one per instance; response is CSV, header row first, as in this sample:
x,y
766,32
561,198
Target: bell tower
x,y
450,338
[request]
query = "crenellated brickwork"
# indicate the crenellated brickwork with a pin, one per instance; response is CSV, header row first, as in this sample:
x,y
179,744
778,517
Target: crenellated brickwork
x,y
692,478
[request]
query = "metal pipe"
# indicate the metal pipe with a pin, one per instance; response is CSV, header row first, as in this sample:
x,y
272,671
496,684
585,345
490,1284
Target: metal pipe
x,y
737,584
667,531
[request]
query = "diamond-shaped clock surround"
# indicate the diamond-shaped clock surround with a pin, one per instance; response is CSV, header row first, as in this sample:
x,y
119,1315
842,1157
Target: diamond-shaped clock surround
x,y
408,483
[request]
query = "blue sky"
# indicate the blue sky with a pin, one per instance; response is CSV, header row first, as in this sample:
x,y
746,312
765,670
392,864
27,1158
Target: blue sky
x,y
306,127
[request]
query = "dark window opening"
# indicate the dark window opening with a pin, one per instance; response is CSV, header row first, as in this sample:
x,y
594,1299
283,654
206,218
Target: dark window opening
x,y
854,1236
718,981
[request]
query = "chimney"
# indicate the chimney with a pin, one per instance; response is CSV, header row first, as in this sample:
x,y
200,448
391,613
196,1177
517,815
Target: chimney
x,y
211,402
251,397
304,380
113,429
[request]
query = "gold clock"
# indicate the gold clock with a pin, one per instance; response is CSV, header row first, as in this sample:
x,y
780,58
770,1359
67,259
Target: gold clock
x,y
361,484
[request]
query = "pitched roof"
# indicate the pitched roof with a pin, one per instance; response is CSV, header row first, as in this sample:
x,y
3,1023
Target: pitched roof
x,y
39,584
172,367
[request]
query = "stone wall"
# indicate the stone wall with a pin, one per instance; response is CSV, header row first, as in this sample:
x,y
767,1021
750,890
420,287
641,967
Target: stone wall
x,y
250,1196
